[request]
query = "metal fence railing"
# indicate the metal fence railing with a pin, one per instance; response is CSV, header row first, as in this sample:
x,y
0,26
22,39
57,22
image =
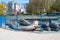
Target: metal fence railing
x,y
5,20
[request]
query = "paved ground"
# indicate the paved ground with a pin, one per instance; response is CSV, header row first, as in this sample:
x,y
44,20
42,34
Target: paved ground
x,y
13,35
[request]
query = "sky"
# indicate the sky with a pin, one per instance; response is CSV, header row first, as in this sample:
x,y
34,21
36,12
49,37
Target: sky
x,y
19,1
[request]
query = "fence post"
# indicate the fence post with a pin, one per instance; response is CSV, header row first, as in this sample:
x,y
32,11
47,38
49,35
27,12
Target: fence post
x,y
16,22
0,21
40,23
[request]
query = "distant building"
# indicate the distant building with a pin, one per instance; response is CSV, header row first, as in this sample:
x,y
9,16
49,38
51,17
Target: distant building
x,y
13,7
24,9
16,8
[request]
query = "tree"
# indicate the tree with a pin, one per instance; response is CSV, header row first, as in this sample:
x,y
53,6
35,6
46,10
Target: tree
x,y
38,6
56,6
2,9
35,7
48,5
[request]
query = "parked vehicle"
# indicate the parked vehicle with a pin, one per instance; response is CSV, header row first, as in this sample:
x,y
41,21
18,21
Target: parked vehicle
x,y
22,25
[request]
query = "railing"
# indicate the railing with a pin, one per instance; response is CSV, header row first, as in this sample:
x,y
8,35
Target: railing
x,y
3,19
